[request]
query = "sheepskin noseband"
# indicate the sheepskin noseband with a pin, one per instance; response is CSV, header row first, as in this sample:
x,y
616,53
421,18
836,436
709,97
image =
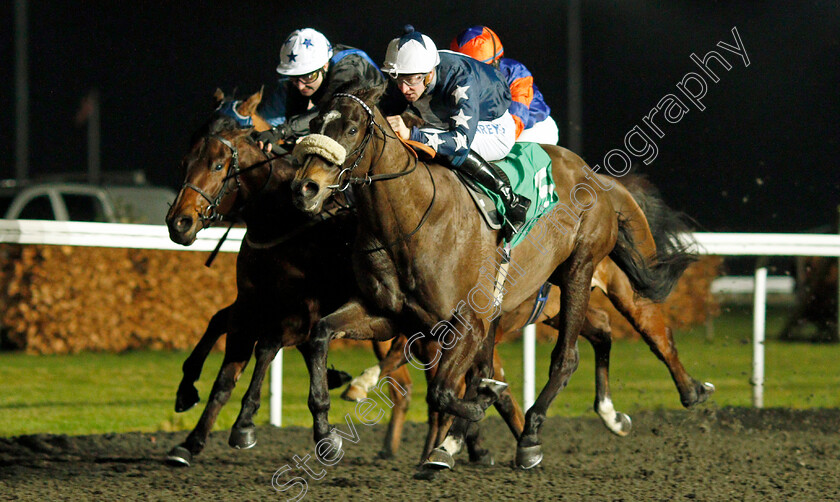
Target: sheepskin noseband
x,y
322,146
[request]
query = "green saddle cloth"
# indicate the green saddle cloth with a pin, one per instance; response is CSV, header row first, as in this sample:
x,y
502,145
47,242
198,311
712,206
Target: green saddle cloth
x,y
529,169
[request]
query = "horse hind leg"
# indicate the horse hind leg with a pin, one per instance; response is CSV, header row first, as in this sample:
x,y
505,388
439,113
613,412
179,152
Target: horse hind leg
x,y
243,433
647,319
401,402
187,395
596,329
574,277
237,353
389,361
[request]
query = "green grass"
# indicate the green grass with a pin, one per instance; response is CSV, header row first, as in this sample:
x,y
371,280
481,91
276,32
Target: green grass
x,y
97,393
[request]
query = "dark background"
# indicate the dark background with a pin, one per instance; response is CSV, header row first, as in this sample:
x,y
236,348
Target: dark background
x,y
761,157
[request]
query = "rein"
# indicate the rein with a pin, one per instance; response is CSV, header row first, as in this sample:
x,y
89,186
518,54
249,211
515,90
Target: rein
x,y
368,179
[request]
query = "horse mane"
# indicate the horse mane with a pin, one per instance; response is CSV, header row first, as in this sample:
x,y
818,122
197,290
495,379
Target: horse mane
x,y
368,94
214,125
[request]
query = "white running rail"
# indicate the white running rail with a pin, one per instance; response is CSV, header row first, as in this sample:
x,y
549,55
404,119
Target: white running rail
x,y
157,237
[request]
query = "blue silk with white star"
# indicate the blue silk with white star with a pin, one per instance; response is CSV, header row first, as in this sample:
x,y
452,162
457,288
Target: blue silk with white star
x,y
464,93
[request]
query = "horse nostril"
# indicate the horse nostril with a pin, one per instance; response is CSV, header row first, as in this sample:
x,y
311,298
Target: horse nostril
x,y
183,223
309,189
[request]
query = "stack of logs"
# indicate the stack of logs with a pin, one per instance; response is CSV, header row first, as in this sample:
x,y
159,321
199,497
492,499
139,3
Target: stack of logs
x,y
62,299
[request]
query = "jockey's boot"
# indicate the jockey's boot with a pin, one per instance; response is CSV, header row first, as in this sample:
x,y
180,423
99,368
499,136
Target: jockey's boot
x,y
494,179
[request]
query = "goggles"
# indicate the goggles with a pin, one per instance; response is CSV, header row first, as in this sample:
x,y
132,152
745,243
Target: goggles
x,y
411,80
308,78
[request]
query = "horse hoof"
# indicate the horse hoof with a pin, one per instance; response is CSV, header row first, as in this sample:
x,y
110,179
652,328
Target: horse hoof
x,y
494,387
353,393
332,454
701,394
622,425
485,458
186,398
439,459
179,457
426,473
243,438
528,457
385,454
337,378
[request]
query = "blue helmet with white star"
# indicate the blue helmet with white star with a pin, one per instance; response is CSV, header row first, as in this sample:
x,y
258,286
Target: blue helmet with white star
x,y
413,52
303,52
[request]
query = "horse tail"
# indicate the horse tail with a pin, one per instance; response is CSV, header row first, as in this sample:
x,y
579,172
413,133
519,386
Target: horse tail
x,y
653,277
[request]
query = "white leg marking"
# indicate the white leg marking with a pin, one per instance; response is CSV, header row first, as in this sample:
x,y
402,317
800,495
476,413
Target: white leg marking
x,y
367,379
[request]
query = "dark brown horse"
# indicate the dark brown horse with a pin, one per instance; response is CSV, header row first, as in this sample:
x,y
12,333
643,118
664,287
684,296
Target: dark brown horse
x,y
283,284
276,258
421,252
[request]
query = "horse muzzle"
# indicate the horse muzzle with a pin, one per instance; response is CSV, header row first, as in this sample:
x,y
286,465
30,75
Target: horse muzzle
x,y
182,229
307,195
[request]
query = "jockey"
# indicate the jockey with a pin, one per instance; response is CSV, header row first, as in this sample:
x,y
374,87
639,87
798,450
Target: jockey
x,y
311,70
465,106
531,114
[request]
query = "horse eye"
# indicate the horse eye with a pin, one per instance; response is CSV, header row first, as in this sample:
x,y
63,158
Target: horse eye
x,y
218,167
352,131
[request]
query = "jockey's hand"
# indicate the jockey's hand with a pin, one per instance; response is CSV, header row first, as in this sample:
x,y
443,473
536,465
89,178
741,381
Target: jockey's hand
x,y
279,134
399,126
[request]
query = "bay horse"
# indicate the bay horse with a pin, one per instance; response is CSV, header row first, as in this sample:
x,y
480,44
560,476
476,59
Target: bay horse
x,y
283,284
290,268
645,316
420,253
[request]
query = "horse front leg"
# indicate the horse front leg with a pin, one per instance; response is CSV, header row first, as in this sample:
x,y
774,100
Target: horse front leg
x,y
354,321
187,395
243,433
455,360
575,276
237,353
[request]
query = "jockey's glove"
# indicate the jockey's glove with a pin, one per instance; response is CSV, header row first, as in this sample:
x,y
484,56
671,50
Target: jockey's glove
x,y
277,134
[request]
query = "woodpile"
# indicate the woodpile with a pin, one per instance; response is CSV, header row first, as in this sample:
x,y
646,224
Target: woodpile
x,y
63,299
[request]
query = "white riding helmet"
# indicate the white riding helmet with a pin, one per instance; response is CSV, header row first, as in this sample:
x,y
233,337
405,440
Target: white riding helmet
x,y
413,52
304,51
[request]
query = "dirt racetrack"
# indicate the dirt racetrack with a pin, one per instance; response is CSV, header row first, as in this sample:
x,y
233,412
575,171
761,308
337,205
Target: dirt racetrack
x,y
708,454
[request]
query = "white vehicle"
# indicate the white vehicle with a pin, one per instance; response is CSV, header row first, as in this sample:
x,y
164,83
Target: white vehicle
x,y
86,202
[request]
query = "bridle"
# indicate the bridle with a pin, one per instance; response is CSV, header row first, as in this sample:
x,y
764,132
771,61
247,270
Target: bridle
x,y
368,178
209,215
360,152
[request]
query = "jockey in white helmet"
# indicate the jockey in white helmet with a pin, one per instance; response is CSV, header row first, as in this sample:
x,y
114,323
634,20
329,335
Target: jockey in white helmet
x,y
311,69
465,106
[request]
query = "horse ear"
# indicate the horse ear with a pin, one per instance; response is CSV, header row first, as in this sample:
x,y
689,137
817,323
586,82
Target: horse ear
x,y
249,106
219,95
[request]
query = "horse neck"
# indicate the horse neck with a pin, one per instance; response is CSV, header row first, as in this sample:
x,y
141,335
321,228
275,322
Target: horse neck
x,y
390,205
265,198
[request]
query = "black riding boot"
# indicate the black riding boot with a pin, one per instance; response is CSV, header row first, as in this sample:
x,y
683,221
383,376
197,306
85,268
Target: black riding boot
x,y
495,180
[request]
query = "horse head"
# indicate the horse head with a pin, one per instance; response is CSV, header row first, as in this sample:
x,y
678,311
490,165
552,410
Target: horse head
x,y
334,153
220,171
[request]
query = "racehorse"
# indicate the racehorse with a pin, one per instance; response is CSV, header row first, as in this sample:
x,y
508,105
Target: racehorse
x,y
645,316
289,269
421,246
282,283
